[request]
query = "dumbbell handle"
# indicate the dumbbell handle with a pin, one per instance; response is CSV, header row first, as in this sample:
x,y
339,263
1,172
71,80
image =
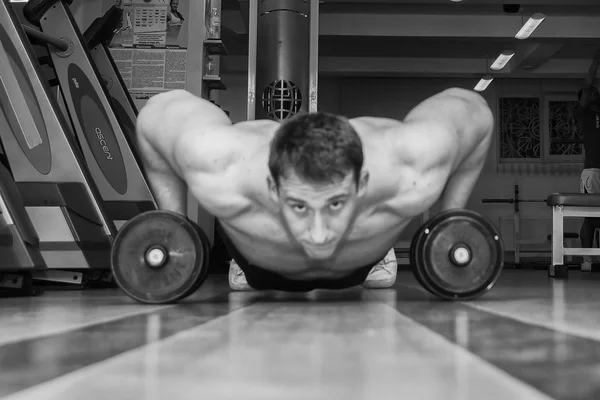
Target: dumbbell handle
x,y
498,201
512,201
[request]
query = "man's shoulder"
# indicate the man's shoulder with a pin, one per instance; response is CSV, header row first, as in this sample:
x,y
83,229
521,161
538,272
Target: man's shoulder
x,y
258,126
367,125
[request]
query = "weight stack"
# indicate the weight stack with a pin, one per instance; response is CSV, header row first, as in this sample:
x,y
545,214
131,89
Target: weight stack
x,y
282,54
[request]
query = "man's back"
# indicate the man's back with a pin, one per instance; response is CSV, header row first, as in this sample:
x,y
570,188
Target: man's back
x,y
404,181
318,195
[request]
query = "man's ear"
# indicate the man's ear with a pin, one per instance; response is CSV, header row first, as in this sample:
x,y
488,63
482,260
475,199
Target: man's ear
x,y
273,190
363,182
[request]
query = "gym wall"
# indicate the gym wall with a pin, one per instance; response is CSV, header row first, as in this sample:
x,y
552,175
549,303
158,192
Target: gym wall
x,y
394,97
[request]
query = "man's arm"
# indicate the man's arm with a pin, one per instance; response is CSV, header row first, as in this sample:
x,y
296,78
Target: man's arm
x,y
464,116
179,134
586,94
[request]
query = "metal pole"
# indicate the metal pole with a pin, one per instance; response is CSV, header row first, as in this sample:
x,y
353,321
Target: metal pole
x,y
56,42
314,56
252,44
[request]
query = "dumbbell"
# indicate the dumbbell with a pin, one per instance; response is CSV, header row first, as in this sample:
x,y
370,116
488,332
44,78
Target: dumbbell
x,y
457,255
160,257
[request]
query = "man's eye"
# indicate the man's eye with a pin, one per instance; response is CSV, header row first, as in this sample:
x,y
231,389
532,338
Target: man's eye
x,y
299,208
336,205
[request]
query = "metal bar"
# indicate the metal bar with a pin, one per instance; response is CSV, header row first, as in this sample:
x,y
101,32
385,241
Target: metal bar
x,y
56,42
517,236
313,82
252,48
511,201
557,236
590,212
581,252
497,201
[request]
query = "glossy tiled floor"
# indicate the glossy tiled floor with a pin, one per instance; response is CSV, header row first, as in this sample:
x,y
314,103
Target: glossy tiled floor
x,y
530,338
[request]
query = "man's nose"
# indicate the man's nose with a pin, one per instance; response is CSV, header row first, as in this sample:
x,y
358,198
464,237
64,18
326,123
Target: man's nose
x,y
318,230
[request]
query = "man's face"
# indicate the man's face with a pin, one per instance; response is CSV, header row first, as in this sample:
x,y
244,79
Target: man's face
x,y
318,215
595,95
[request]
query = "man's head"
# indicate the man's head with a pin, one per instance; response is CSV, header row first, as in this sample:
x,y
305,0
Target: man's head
x,y
595,96
316,178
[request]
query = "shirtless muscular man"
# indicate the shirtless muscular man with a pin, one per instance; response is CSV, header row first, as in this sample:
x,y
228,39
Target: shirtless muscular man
x,y
317,200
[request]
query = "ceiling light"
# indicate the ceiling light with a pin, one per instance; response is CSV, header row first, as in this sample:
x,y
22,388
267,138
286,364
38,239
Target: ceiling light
x,y
530,26
502,60
483,83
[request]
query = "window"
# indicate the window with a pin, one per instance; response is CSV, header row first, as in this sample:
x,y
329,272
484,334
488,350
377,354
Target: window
x,y
562,125
519,128
531,130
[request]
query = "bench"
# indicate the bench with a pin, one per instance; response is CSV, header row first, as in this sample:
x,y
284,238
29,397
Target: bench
x,y
569,205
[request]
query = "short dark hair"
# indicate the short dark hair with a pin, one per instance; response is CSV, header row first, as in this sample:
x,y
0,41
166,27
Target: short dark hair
x,y
580,92
318,147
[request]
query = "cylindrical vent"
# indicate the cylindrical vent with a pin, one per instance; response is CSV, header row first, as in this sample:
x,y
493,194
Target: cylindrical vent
x,y
282,53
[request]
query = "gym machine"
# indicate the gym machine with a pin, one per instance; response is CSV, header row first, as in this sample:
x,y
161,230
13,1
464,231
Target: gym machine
x,y
517,241
102,136
50,172
20,251
97,38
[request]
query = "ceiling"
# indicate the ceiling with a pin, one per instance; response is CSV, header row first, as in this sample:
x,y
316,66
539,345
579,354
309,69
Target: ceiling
x,y
438,38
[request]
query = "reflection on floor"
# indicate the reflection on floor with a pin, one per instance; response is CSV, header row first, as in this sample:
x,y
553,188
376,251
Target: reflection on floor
x,y
529,338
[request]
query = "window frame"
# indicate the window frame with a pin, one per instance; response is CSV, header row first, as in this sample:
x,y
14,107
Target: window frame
x,y
544,117
502,160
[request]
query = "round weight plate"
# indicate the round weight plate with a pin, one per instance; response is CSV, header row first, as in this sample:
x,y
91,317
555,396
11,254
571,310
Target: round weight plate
x,y
414,245
186,257
205,250
462,233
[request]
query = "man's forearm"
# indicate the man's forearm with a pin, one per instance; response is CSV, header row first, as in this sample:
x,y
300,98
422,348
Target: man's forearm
x,y
169,191
458,189
463,179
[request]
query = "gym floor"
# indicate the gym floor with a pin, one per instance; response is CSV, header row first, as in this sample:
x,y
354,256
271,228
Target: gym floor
x,y
529,338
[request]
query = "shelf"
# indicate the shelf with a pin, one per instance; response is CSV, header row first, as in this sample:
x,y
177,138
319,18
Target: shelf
x,y
215,47
214,83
